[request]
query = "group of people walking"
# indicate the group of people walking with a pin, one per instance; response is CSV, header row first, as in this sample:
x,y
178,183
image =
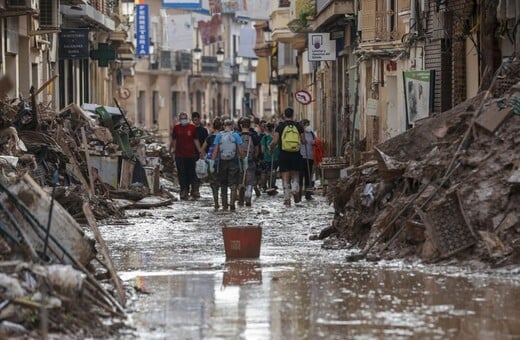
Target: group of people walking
x,y
243,160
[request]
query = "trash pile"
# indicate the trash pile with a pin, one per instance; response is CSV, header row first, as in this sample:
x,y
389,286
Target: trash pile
x,y
447,188
60,173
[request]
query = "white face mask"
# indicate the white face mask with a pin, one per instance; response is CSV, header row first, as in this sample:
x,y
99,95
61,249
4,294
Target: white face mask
x,y
308,129
184,121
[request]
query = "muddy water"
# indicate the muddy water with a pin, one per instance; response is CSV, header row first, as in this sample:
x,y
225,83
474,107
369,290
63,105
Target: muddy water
x,y
295,290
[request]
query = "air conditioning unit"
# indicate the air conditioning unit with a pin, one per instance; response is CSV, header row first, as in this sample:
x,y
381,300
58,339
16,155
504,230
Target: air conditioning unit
x,y
29,5
49,10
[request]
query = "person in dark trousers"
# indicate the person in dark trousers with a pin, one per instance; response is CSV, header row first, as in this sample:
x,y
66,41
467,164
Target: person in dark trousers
x,y
249,141
185,148
268,177
202,134
229,155
289,136
306,151
207,154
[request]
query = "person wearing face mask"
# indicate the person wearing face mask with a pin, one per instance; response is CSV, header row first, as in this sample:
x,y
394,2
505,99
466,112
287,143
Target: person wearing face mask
x,y
306,151
202,134
185,148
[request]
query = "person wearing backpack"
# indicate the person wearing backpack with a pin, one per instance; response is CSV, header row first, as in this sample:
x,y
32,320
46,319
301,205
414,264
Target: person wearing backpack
x,y
306,151
207,154
289,135
228,153
250,148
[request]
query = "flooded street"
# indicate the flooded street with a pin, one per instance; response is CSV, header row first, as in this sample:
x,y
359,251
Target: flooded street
x,y
295,290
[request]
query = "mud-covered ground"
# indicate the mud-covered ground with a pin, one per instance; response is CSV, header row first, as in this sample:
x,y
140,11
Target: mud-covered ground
x,y
296,289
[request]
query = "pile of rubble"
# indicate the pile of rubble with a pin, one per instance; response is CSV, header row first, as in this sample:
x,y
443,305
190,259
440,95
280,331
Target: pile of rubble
x,y
60,173
447,188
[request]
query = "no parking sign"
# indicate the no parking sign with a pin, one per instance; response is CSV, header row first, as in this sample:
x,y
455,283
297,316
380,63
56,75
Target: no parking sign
x,y
303,97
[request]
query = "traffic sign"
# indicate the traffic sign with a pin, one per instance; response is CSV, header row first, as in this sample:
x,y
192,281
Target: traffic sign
x,y
303,97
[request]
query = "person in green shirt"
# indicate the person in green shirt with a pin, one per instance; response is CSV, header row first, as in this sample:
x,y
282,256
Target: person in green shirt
x,y
270,162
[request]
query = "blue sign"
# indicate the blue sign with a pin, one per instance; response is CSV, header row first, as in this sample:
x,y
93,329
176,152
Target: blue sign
x,y
142,30
188,4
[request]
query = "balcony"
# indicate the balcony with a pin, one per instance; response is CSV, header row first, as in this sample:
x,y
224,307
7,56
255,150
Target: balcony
x,y
329,11
86,16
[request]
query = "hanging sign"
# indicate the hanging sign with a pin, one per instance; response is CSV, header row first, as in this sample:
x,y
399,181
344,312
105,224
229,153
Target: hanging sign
x,y
303,97
142,30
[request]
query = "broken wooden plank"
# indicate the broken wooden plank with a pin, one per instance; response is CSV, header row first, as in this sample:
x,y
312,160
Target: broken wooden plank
x,y
104,250
493,117
65,230
87,157
127,170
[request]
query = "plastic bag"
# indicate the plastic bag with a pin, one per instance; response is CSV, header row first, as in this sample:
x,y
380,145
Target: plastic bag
x,y
201,169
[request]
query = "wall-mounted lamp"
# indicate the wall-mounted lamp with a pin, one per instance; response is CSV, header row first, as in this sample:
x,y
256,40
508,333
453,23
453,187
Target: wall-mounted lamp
x,y
197,53
220,55
238,60
254,62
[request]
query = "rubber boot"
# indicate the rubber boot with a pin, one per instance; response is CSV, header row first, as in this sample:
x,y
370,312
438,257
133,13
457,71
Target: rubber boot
x,y
241,196
257,191
195,194
215,197
233,197
248,195
223,196
287,194
295,189
183,195
263,181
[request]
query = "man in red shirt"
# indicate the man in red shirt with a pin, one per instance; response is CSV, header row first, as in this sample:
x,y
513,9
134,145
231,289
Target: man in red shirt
x,y
185,148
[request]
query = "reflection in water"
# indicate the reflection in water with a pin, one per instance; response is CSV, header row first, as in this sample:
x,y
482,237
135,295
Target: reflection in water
x,y
248,300
295,290
241,272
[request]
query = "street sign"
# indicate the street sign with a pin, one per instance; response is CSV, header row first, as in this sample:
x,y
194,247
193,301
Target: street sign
x,y
73,43
142,30
303,97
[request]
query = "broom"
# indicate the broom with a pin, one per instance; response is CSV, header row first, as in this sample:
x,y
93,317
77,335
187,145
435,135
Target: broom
x,y
242,190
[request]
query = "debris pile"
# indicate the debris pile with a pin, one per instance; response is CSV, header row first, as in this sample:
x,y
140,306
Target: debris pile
x,y
60,172
449,186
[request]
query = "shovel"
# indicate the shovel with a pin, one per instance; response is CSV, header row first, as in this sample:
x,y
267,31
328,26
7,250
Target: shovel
x,y
271,191
242,190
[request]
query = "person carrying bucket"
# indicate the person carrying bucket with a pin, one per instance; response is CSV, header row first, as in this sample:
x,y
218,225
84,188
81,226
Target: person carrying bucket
x,y
228,153
307,153
289,134
207,154
270,162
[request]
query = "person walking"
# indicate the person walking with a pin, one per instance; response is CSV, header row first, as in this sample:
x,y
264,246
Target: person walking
x,y
228,153
289,135
269,163
207,154
250,149
183,148
307,153
202,134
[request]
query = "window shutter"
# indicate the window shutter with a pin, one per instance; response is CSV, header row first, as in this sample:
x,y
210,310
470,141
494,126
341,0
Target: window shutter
x,y
368,20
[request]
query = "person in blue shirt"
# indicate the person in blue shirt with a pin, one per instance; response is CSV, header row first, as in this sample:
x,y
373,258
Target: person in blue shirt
x,y
229,155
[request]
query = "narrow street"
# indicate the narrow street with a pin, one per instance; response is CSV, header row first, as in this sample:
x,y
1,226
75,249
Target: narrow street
x,y
175,259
